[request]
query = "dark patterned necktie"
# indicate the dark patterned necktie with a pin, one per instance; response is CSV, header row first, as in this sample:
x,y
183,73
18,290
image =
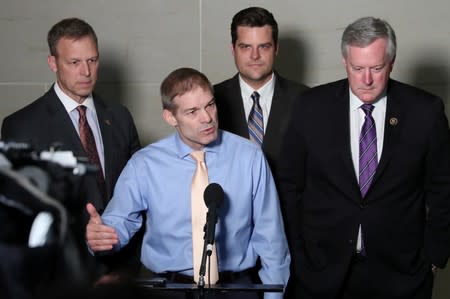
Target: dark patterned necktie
x,y
255,121
368,159
88,142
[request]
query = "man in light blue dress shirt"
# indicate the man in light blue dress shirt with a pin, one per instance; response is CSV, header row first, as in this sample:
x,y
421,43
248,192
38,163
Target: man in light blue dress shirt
x,y
157,180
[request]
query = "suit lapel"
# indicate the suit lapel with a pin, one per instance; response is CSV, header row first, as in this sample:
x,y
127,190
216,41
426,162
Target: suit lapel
x,y
392,127
236,105
61,124
278,116
105,122
341,113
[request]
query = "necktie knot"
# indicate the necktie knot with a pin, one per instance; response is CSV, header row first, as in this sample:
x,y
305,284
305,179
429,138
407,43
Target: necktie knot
x,y
198,156
255,97
82,111
368,109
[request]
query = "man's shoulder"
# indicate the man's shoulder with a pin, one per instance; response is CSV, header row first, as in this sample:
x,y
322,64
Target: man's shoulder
x,y
237,143
338,87
290,85
398,87
119,114
30,112
163,145
35,106
227,84
109,105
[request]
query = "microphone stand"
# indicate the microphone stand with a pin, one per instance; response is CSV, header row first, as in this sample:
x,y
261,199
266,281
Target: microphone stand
x,y
206,253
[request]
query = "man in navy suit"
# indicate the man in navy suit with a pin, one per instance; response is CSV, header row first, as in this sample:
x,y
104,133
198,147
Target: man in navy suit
x,y
353,235
53,118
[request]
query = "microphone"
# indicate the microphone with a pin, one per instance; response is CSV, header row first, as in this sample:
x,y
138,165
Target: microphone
x,y
213,197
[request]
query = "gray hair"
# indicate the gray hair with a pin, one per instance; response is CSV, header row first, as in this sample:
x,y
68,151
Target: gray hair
x,y
364,31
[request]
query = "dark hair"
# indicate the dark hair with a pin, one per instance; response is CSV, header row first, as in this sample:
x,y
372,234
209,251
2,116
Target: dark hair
x,y
71,28
179,82
254,17
364,31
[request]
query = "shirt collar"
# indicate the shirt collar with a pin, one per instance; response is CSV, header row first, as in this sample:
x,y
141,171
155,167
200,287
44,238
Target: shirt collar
x,y
183,150
263,91
69,103
355,102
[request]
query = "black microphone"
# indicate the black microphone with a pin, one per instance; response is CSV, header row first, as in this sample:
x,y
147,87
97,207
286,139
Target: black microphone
x,y
213,197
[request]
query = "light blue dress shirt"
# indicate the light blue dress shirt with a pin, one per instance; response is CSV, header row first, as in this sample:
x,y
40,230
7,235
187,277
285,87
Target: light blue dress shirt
x,y
158,179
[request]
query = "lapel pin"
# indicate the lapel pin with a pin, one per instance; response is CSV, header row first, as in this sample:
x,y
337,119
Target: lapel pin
x,y
108,122
393,121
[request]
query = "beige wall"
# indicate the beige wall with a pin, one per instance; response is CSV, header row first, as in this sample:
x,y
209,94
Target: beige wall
x,y
141,41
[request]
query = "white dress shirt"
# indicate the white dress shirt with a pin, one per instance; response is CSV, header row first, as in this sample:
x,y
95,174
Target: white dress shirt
x,y
357,117
91,115
265,97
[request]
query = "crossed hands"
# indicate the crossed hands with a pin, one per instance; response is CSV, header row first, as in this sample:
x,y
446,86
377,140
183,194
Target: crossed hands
x,y
99,237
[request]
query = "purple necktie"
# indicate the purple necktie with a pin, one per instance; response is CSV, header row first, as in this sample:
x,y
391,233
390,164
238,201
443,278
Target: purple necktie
x,y
368,160
255,121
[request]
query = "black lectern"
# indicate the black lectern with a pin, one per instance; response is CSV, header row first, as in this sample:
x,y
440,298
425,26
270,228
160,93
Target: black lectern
x,y
160,287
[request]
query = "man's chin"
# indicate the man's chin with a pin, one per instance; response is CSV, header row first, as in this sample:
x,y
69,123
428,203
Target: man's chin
x,y
210,138
367,97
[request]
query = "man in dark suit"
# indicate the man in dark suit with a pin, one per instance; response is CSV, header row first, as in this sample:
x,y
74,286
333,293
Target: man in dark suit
x,y
55,118
365,179
254,41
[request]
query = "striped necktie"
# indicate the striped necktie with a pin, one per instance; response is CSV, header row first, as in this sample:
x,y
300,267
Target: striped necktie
x,y
255,121
368,159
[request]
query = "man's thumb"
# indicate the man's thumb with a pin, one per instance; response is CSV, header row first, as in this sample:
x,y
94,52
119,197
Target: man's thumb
x,y
94,216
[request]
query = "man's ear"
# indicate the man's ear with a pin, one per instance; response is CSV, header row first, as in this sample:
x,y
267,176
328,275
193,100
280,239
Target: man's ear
x,y
51,60
169,118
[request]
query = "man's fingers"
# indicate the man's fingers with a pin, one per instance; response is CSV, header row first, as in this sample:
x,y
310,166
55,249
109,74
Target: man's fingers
x,y
100,247
100,232
101,237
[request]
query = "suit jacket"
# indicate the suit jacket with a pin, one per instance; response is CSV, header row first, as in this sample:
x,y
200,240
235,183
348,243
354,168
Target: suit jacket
x,y
45,122
232,114
323,205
